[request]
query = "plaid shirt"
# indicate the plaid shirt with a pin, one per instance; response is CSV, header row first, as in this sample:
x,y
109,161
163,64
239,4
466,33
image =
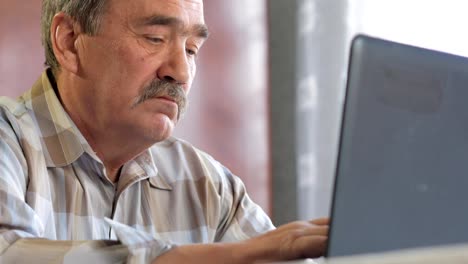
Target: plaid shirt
x,y
57,205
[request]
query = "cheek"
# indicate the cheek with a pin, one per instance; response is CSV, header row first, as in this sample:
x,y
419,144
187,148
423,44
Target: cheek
x,y
126,58
130,51
134,70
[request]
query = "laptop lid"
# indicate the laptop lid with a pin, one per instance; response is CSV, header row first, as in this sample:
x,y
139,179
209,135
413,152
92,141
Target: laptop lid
x,y
402,171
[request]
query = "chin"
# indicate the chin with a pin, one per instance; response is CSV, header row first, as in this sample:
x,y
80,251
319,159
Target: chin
x,y
161,131
153,128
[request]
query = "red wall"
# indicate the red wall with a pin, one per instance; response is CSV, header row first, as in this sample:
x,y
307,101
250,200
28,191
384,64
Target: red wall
x,y
227,115
21,56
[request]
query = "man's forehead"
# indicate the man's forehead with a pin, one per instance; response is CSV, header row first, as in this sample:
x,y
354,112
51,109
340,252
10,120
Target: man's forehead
x,y
194,7
199,29
168,12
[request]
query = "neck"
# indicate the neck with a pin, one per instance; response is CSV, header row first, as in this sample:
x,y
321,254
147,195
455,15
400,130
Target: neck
x,y
113,174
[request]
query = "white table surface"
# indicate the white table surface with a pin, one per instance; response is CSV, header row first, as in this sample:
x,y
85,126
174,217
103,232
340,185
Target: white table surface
x,y
457,254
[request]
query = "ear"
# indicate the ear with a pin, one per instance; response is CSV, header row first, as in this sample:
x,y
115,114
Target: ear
x,y
64,33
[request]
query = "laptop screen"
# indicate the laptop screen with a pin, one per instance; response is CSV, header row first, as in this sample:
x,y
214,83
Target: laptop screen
x,y
402,172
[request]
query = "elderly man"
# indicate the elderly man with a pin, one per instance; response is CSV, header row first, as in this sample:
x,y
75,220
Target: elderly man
x,y
89,167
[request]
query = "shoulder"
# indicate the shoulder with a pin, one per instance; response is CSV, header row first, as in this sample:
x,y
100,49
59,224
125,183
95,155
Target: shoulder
x,y
11,112
182,164
13,137
17,122
11,109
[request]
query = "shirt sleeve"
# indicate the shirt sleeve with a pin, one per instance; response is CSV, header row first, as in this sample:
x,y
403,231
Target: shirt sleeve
x,y
20,226
241,218
133,247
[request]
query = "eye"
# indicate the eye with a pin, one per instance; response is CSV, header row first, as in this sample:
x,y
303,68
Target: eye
x,y
154,39
191,52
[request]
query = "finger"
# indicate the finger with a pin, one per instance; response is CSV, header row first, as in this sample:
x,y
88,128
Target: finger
x,y
297,225
316,231
321,221
312,246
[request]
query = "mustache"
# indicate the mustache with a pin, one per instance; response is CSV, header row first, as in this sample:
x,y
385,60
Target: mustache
x,y
158,88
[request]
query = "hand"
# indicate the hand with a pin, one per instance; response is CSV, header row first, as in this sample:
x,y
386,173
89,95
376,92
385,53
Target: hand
x,y
295,240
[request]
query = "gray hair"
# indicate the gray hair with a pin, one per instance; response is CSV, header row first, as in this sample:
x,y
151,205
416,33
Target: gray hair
x,y
87,13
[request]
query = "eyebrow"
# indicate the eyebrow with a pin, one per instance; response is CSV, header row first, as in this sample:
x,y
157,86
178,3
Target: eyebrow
x,y
201,30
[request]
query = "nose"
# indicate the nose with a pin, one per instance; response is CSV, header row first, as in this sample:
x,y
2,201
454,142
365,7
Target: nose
x,y
176,67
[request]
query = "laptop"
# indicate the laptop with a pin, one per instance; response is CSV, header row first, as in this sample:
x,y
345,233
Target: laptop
x,y
402,171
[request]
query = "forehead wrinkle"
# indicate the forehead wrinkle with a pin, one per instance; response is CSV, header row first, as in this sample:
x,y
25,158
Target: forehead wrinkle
x,y
200,30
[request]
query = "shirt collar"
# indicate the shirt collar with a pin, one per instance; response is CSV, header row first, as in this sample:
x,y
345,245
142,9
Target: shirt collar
x,y
146,161
143,167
